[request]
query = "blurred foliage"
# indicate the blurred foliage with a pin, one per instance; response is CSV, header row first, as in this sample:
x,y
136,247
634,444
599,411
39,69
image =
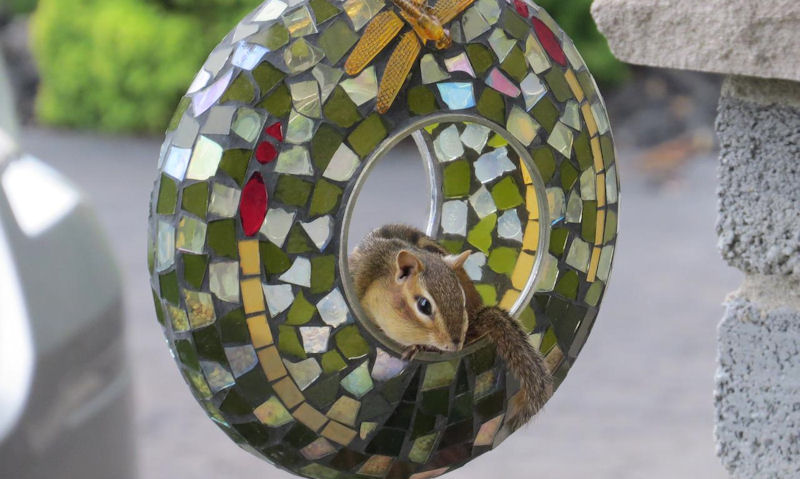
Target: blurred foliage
x,y
121,65
18,6
575,18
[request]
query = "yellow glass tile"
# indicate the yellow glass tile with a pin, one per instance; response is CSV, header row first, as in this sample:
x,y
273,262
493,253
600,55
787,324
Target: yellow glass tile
x,y
252,296
522,270
509,298
345,410
532,203
339,433
572,81
600,190
271,363
526,175
597,154
591,124
488,431
554,358
272,413
429,474
601,227
288,392
376,466
310,417
530,241
259,331
591,275
250,259
318,449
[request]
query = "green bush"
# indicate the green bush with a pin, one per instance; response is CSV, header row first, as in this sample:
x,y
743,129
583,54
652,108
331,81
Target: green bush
x,y
575,18
17,6
118,65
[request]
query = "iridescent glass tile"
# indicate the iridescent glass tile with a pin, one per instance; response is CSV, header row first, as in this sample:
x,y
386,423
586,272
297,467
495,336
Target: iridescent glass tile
x,y
299,273
205,99
200,81
186,132
473,24
178,318
165,246
248,124
200,308
522,126
362,11
501,83
492,165
475,136
218,377
299,22
295,160
318,449
447,145
205,159
509,226
305,97
218,121
579,254
474,266
556,201
248,55
301,56
431,71
572,115
488,431
600,117
459,63
336,40
501,44
224,200
359,382
387,366
561,139
604,267
272,412
457,95
537,58
277,224
304,372
454,218
532,90
588,185
279,298
362,88
224,280
574,208
191,235
345,410
299,130
548,275
376,466
489,9
343,164
333,309
327,78
320,231
315,339
241,358
612,193
422,447
482,202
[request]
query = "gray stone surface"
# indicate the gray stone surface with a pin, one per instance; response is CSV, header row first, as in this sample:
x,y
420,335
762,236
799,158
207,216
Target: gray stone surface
x,y
758,390
741,37
759,198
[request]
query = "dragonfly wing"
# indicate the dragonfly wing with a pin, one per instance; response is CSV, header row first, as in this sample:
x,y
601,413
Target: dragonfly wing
x,y
397,68
380,31
446,10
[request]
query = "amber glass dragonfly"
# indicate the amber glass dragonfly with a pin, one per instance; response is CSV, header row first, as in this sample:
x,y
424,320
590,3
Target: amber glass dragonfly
x,y
427,26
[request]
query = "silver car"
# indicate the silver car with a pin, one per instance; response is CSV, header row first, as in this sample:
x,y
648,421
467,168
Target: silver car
x,y
64,383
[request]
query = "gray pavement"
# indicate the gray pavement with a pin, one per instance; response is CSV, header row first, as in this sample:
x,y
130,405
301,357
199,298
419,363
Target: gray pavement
x,y
638,403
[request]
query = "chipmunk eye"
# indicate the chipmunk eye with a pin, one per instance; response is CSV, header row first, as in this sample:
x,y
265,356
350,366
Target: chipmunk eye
x,y
424,306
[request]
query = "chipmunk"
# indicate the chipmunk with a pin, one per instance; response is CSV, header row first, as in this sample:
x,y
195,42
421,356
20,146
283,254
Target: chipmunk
x,y
421,296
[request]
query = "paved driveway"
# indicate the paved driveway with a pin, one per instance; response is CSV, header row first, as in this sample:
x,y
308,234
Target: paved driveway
x,y
638,403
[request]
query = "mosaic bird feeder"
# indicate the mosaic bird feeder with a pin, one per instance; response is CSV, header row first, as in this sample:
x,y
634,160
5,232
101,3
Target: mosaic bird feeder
x,y
258,177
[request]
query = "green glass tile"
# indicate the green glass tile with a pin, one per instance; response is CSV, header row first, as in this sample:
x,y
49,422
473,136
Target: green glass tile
x,y
336,40
401,418
289,343
234,163
558,84
461,409
558,241
587,84
492,106
374,406
567,285
367,135
206,341
340,109
323,274
481,234
488,294
187,355
183,105
323,145
298,242
198,383
318,471
240,90
611,226
528,320
421,100
325,198
548,341
589,221
323,393
159,308
293,191
194,269
502,260
436,401
151,256
235,404
233,328
279,102
222,238
332,362
506,194
273,38
167,196
515,24
323,10
301,311
454,246
607,147
351,343
457,176
423,424
546,113
299,436
594,293
169,287
274,259
545,162
568,176
195,199
439,375
387,442
583,150
422,447
481,57
497,141
515,64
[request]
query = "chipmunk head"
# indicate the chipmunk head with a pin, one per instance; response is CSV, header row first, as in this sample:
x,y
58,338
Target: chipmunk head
x,y
422,303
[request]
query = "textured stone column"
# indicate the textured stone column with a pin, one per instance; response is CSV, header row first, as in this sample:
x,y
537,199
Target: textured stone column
x,y
757,44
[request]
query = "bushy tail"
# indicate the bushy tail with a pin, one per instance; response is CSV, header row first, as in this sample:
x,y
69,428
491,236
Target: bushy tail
x,y
522,360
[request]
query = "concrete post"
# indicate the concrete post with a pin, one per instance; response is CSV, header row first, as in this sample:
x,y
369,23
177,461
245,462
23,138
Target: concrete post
x,y
756,44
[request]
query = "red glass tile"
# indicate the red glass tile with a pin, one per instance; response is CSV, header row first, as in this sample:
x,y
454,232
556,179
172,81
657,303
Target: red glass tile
x,y
266,153
276,131
522,9
253,206
549,42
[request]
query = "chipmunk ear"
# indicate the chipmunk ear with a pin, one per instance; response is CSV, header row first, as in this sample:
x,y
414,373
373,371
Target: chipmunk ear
x,y
457,261
408,264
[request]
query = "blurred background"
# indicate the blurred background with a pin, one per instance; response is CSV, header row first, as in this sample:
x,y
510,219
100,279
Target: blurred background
x,y
94,83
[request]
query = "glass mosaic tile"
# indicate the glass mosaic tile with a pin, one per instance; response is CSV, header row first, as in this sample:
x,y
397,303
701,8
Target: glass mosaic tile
x,y
492,165
499,82
301,56
447,145
304,372
299,273
556,202
454,217
204,99
351,343
482,202
200,81
588,185
224,200
273,413
299,130
359,382
320,231
327,78
362,88
277,224
501,44
474,266
336,40
489,9
318,449
509,226
572,115
247,55
279,298
561,139
343,164
205,159
457,95
200,308
578,256
295,161
574,208
299,22
315,339
532,90
475,136
241,359
305,96
345,410
536,56
191,235
387,366
431,71
248,124
481,234
218,121
270,11
333,309
612,195
473,24
165,246
224,280
362,11
522,126
459,63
